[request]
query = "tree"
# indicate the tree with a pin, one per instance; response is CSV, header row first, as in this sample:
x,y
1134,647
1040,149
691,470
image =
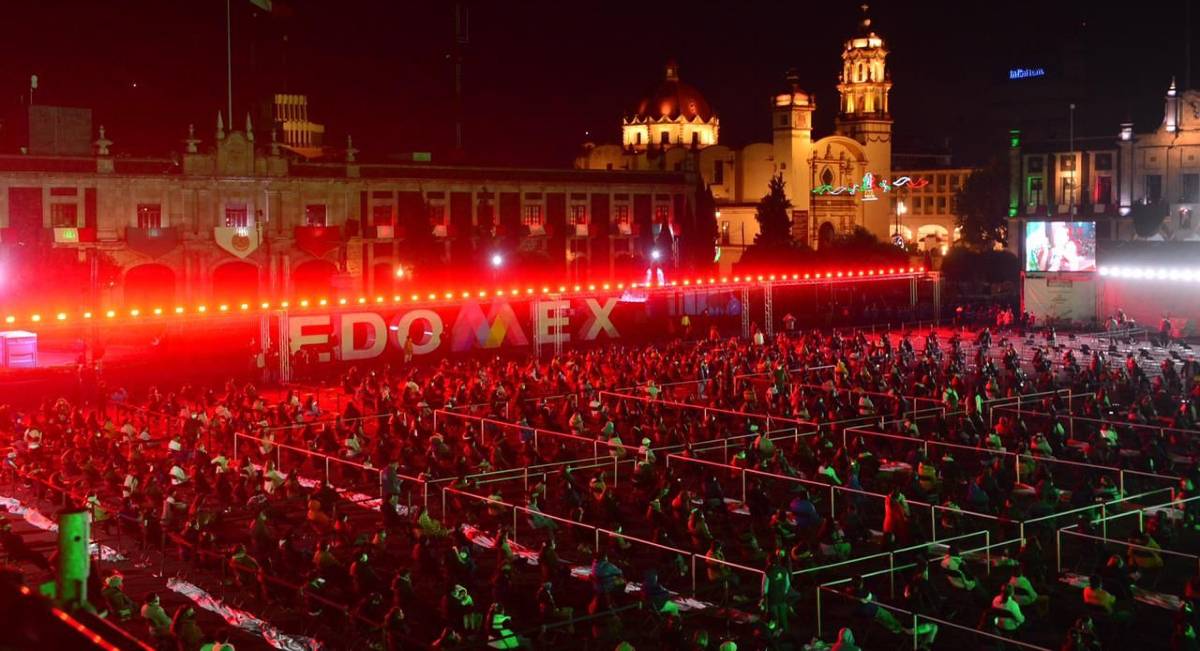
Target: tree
x,y
774,215
1148,218
421,248
983,207
963,265
860,247
696,243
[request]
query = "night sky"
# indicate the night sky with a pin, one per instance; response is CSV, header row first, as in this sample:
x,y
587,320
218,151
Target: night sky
x,y
542,77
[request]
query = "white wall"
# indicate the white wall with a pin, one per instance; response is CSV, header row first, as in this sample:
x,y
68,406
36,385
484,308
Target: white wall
x,y
1061,297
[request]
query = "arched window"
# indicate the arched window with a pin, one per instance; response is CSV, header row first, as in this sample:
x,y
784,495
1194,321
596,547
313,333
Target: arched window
x,y
638,138
695,138
827,177
665,137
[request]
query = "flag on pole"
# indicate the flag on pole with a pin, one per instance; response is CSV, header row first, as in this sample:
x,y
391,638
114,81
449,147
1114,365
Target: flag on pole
x,y
265,5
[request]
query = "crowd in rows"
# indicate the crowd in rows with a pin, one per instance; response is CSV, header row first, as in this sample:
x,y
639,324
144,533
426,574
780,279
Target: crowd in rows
x,y
235,482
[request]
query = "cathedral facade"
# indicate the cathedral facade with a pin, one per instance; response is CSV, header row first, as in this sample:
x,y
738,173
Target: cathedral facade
x,y
835,183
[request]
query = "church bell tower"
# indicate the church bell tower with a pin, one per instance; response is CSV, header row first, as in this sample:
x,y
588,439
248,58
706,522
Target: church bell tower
x,y
792,139
864,114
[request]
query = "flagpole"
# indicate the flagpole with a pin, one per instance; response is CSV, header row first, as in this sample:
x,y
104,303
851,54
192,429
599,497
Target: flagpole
x,y
228,63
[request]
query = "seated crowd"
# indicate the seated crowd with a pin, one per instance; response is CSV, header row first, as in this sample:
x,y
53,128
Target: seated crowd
x,y
677,496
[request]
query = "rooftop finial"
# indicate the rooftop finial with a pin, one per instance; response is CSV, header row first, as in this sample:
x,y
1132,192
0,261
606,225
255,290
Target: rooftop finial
x,y
350,150
192,141
249,128
102,143
793,78
220,126
865,23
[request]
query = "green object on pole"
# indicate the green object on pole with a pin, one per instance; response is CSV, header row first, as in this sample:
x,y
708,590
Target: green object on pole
x,y
74,562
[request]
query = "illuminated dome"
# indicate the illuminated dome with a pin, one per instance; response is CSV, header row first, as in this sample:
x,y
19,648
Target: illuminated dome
x,y
673,114
672,99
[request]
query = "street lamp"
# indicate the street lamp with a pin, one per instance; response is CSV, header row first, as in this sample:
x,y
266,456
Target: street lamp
x,y
655,254
897,233
497,260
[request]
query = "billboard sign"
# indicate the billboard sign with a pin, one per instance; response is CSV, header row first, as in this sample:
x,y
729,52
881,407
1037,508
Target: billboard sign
x,y
473,325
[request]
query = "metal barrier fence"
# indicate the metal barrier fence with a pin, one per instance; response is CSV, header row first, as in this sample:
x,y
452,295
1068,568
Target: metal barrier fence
x,y
1173,505
916,618
769,375
987,549
1071,419
834,491
600,534
328,462
1014,457
891,557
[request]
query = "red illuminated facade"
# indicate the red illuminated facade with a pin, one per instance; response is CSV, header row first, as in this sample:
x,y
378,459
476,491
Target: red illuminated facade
x,y
238,219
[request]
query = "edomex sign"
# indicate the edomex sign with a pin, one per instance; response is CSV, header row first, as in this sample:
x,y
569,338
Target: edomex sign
x,y
472,325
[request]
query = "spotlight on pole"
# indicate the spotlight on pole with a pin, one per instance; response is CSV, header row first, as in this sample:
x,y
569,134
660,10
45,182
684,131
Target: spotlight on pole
x,y
497,260
399,271
655,254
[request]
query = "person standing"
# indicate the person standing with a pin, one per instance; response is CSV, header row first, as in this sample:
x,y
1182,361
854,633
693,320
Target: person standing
x,y
776,588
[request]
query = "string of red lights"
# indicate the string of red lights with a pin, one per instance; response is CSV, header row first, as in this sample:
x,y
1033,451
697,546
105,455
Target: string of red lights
x,y
425,297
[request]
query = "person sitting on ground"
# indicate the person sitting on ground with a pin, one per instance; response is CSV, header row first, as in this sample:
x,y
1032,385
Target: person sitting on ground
x,y
1024,593
500,636
1117,579
1142,556
607,579
1095,596
550,611
118,602
868,609
1082,636
156,618
1004,601
243,566
957,576
845,641
919,593
187,632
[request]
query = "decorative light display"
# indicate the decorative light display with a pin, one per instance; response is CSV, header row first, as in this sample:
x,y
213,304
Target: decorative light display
x,y
1186,275
302,304
869,184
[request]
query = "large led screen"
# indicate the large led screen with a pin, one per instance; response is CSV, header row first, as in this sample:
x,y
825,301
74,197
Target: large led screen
x,y
1060,246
